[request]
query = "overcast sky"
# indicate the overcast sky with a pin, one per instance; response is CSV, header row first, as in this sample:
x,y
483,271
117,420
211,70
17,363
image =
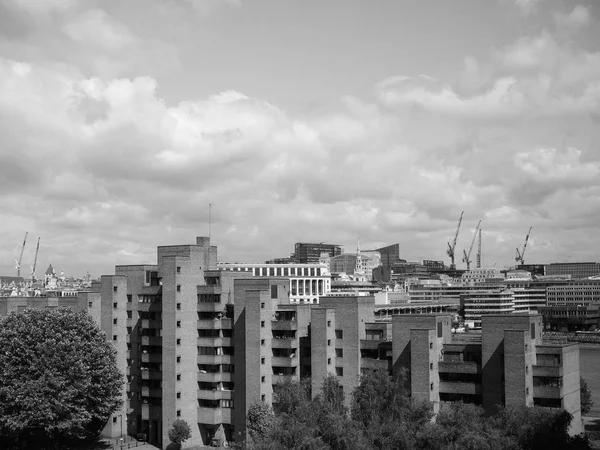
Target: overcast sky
x,y
312,120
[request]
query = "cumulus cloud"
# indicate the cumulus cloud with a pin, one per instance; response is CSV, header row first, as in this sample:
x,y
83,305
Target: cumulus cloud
x,y
579,17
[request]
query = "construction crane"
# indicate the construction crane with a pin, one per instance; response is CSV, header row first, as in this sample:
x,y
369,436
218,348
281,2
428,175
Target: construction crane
x,y
18,262
521,254
37,249
479,251
467,256
452,246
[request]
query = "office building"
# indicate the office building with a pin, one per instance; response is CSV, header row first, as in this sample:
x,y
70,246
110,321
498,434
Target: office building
x,y
477,304
306,253
390,255
571,317
575,293
575,270
307,281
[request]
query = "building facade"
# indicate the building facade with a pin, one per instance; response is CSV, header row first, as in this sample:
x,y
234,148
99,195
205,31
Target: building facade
x,y
307,281
306,253
575,270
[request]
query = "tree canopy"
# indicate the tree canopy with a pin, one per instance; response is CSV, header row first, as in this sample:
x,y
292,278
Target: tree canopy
x,y
382,416
180,432
59,379
586,397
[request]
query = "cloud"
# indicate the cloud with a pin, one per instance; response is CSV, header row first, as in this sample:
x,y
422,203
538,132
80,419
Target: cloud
x,y
579,17
527,6
98,29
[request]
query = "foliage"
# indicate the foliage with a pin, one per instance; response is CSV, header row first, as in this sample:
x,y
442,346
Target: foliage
x,y
586,397
179,432
59,377
259,420
383,416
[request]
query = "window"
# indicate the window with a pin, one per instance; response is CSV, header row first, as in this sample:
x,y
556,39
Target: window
x,y
179,395
262,360
262,323
533,331
263,398
430,366
129,298
178,269
129,315
114,321
273,291
262,342
178,288
262,379
179,306
178,359
90,304
339,352
115,305
178,377
178,341
114,420
329,323
179,324
339,334
339,371
328,361
178,413
115,288
262,305
439,329
227,403
430,345
328,341
114,337
431,386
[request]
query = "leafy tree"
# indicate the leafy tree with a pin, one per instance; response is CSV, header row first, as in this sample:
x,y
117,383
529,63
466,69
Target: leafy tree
x,y
586,397
59,378
259,420
179,432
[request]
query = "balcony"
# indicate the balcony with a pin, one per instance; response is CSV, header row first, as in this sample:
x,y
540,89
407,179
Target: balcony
x,y
222,324
215,395
284,361
284,343
214,416
151,374
458,387
151,392
285,325
215,377
459,367
215,359
209,289
129,323
214,342
151,412
546,391
547,371
276,379
151,340
151,357
211,307
155,324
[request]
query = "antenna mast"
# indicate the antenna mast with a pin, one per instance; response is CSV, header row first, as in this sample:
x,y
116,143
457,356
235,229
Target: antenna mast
x,y
209,220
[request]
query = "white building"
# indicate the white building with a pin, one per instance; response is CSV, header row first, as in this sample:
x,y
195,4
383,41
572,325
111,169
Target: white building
x,y
307,281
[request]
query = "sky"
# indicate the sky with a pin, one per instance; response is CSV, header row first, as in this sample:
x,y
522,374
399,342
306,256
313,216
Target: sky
x,y
312,121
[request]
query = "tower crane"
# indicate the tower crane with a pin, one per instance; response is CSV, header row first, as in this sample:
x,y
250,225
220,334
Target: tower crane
x,y
467,256
521,254
479,251
18,262
452,246
37,249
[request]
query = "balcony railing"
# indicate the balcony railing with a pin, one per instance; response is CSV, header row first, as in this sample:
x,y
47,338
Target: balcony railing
x,y
460,387
215,377
284,343
284,325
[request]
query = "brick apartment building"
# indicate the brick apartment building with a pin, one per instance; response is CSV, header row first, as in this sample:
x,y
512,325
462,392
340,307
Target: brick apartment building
x,y
203,344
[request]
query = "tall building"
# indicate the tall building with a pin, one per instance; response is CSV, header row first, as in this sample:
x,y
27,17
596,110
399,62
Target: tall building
x,y
307,253
390,255
475,305
574,293
508,364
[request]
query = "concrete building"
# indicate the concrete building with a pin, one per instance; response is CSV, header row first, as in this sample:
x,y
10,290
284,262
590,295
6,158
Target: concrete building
x,y
306,253
575,270
529,300
571,317
477,304
482,275
574,293
19,304
508,364
307,281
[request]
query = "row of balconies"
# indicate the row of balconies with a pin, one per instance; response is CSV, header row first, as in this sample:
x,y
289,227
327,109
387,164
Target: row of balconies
x,y
214,416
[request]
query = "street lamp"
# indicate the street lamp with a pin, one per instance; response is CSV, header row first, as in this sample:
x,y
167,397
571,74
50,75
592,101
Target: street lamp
x,y
121,416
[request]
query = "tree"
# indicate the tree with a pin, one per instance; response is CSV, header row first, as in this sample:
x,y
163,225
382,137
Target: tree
x,y
586,397
179,432
59,378
259,420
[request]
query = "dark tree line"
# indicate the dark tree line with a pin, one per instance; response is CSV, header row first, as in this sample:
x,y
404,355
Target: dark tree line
x,y
382,416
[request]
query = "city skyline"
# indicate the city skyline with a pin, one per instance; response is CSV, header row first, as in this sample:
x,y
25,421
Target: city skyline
x,y
298,122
